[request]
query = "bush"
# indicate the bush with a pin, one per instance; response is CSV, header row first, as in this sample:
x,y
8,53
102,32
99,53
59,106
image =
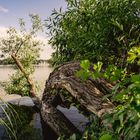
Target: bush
x,y
96,30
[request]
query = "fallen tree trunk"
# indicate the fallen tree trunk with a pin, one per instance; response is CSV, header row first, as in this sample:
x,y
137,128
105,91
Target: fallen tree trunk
x,y
29,80
88,93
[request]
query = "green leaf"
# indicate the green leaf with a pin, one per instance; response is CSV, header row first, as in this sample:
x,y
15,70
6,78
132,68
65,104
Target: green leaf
x,y
137,108
97,67
85,64
73,137
106,137
120,97
133,54
135,78
117,24
83,74
93,137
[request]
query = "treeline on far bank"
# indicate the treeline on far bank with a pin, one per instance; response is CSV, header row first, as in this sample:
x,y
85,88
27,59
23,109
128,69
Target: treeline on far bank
x,y
9,61
6,61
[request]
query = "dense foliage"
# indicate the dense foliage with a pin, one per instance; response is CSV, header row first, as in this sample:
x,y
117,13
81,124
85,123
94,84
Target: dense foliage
x,y
95,30
106,33
123,122
6,61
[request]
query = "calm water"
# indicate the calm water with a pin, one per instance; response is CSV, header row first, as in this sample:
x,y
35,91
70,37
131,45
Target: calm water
x,y
40,75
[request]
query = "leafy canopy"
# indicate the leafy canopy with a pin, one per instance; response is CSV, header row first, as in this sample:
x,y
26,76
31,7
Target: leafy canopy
x,y
25,47
98,30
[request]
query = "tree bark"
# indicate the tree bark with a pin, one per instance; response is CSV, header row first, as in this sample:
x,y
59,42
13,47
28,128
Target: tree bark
x,y
56,119
88,93
29,80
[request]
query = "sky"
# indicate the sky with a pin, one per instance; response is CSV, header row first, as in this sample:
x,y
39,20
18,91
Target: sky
x,y
12,10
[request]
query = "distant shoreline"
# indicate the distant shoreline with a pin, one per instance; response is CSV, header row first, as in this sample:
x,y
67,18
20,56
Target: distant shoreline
x,y
35,65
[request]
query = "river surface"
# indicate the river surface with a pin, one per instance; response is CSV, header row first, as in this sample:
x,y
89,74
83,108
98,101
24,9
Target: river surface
x,y
40,75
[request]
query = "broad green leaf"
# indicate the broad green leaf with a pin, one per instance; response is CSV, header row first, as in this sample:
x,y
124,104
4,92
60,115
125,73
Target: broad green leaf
x,y
133,54
106,137
135,78
85,64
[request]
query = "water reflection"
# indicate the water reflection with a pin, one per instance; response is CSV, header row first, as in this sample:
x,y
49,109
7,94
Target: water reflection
x,y
40,75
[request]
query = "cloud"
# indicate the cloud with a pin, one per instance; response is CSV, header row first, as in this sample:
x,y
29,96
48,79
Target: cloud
x,y
46,49
3,31
4,10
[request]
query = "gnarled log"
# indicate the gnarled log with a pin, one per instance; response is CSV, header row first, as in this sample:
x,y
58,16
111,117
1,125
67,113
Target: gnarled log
x,y
88,93
55,118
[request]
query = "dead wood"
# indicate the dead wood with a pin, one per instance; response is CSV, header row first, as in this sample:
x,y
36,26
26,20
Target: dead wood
x,y
88,93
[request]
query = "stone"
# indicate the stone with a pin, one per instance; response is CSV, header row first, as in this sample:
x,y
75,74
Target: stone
x,y
79,120
23,101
